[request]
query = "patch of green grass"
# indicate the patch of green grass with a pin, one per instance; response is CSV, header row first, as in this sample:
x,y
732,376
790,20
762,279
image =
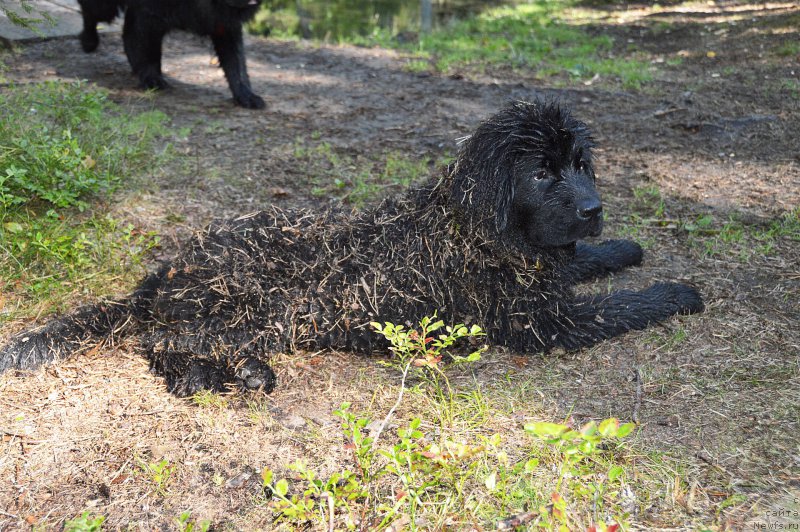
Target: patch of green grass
x,y
650,214
357,180
636,228
209,399
86,522
544,36
49,256
64,147
669,340
532,36
649,201
792,87
418,65
674,61
734,238
789,48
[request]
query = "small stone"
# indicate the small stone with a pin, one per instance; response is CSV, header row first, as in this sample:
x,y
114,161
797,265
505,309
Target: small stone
x,y
293,422
239,480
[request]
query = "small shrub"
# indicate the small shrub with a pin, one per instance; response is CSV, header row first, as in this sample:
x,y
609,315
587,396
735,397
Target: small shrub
x,y
64,146
187,524
86,522
160,473
577,473
422,477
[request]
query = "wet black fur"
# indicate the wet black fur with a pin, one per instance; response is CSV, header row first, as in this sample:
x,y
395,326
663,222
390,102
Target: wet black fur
x,y
148,21
495,242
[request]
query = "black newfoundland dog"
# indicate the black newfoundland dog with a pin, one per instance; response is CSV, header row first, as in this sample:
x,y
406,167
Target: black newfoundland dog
x,y
148,21
495,242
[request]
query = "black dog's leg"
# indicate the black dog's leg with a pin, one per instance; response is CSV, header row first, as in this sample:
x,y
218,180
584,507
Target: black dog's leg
x,y
597,261
253,374
142,38
196,377
590,320
230,51
199,375
89,38
95,11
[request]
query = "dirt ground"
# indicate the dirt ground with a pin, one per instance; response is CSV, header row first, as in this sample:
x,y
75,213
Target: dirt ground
x,y
719,393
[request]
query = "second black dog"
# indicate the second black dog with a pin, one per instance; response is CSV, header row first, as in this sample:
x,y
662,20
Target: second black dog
x,y
148,21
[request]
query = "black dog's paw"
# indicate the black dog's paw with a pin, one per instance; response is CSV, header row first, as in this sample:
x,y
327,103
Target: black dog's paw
x,y
89,40
622,253
682,298
153,82
249,100
255,375
196,378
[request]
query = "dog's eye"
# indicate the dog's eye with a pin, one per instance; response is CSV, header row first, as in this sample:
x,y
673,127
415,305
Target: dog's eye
x,y
583,167
540,175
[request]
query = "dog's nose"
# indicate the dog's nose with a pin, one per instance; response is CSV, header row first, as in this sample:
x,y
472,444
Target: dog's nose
x,y
589,208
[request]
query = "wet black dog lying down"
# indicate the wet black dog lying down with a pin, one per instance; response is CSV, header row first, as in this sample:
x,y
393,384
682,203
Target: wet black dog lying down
x,y
495,242
148,21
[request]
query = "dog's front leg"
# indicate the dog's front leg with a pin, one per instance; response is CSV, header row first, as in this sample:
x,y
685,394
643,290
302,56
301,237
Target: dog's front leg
x,y
230,51
597,261
587,321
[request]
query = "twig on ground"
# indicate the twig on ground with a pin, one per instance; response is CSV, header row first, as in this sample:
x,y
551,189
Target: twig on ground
x,y
394,407
638,404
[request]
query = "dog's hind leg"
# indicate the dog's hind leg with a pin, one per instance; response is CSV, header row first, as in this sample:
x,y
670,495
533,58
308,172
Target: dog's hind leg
x,y
94,11
252,374
186,375
88,37
587,321
597,261
196,377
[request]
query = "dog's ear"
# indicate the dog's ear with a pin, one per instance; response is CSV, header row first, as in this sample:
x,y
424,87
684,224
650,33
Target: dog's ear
x,y
504,177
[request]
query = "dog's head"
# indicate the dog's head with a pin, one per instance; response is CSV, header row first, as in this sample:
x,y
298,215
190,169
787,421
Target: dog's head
x,y
527,173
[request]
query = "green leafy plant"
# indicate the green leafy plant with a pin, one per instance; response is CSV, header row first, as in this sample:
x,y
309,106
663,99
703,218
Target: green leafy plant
x,y
320,500
63,147
187,524
158,473
578,451
86,522
50,148
28,16
424,352
422,474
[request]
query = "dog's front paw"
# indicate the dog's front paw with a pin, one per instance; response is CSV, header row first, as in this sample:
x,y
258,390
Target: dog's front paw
x,y
622,253
153,82
89,40
249,100
683,299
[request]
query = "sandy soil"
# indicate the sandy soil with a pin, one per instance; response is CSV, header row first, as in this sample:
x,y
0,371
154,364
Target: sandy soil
x,y
717,134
